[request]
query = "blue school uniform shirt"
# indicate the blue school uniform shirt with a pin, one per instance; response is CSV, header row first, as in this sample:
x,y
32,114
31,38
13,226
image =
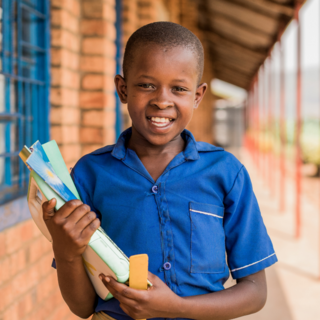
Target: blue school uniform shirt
x,y
199,220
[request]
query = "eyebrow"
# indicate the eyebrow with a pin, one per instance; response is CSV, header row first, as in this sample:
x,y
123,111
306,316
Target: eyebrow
x,y
149,77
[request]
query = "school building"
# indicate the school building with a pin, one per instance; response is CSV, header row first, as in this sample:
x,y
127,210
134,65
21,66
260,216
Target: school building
x,y
58,60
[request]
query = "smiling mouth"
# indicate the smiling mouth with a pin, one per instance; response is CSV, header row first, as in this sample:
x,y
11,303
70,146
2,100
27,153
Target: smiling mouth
x,y
160,122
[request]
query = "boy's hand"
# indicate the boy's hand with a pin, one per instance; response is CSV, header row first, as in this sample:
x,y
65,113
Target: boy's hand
x,y
159,301
71,227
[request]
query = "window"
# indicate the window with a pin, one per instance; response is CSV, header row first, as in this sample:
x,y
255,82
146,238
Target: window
x,y
24,87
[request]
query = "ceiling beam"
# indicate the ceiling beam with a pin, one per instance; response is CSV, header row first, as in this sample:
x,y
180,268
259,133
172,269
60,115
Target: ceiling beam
x,y
232,73
269,7
225,53
218,40
245,15
238,67
232,80
242,35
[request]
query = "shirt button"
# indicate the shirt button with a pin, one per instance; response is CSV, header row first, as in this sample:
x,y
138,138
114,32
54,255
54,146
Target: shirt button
x,y
167,265
154,189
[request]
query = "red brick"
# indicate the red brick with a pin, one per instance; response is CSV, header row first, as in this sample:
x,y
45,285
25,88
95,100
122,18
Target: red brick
x,y
25,280
63,18
109,85
65,134
90,148
95,27
5,270
92,118
25,305
11,313
36,249
65,77
45,264
18,261
64,96
6,296
13,239
96,100
64,115
70,152
64,38
36,231
26,230
65,58
2,244
93,82
99,46
98,64
91,135
59,313
109,118
109,136
70,5
99,9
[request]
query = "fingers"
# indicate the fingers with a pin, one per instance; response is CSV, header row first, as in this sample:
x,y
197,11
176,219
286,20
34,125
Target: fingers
x,y
121,291
67,209
88,231
48,209
76,216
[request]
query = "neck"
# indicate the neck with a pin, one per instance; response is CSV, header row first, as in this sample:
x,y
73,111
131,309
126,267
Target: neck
x,y
143,147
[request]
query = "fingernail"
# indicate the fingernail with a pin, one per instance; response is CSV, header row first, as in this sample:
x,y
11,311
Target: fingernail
x,y
107,279
100,277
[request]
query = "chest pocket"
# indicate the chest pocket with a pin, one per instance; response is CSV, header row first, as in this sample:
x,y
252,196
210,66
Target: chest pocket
x,y
207,238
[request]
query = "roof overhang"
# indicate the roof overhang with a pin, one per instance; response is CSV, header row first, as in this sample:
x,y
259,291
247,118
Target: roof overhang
x,y
241,33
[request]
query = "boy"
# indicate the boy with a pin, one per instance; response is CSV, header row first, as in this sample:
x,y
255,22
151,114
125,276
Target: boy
x,y
158,191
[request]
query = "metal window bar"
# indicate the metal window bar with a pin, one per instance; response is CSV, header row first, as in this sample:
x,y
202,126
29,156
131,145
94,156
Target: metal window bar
x,y
24,75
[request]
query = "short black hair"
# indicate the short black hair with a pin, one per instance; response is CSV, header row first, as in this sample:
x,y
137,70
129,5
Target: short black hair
x,y
166,34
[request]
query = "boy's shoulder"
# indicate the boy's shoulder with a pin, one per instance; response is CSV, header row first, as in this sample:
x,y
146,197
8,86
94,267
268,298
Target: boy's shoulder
x,y
219,160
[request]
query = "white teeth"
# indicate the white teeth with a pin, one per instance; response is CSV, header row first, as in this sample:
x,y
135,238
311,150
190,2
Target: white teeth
x,y
160,120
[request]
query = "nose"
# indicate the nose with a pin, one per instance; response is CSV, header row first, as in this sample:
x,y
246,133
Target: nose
x,y
162,99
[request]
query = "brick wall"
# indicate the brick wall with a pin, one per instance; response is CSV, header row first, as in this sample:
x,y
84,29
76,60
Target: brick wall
x,y
82,70
28,285
82,118
65,113
98,66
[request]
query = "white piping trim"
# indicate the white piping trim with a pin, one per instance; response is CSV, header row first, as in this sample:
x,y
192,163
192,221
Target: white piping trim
x,y
249,265
207,213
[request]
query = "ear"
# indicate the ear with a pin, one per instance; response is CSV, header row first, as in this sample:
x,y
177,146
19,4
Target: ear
x,y
201,90
121,87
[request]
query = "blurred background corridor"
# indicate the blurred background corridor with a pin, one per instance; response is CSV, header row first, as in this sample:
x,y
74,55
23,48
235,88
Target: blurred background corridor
x,y
58,60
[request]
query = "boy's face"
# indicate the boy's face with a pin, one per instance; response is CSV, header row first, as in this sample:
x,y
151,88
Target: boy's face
x,y
161,92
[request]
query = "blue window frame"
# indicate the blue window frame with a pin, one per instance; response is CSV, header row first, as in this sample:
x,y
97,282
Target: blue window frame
x,y
24,87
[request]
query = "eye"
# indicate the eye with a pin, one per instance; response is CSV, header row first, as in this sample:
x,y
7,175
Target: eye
x,y
179,89
146,85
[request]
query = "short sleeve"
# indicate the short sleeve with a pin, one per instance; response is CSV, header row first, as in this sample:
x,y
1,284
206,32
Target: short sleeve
x,y
248,245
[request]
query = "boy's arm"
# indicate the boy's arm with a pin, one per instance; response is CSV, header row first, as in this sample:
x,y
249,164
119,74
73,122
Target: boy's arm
x,y
71,228
246,297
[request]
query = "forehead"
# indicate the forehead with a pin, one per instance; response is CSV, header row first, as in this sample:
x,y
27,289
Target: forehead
x,y
171,62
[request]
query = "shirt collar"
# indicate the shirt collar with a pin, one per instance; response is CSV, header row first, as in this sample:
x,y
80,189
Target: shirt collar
x,y
190,152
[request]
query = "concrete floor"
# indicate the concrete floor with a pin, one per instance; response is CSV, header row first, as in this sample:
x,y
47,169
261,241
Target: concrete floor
x,y
293,282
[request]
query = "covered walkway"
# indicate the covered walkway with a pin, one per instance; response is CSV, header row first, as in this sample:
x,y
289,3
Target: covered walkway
x,y
293,282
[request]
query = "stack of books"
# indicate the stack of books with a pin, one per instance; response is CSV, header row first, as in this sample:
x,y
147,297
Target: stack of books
x,y
50,178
